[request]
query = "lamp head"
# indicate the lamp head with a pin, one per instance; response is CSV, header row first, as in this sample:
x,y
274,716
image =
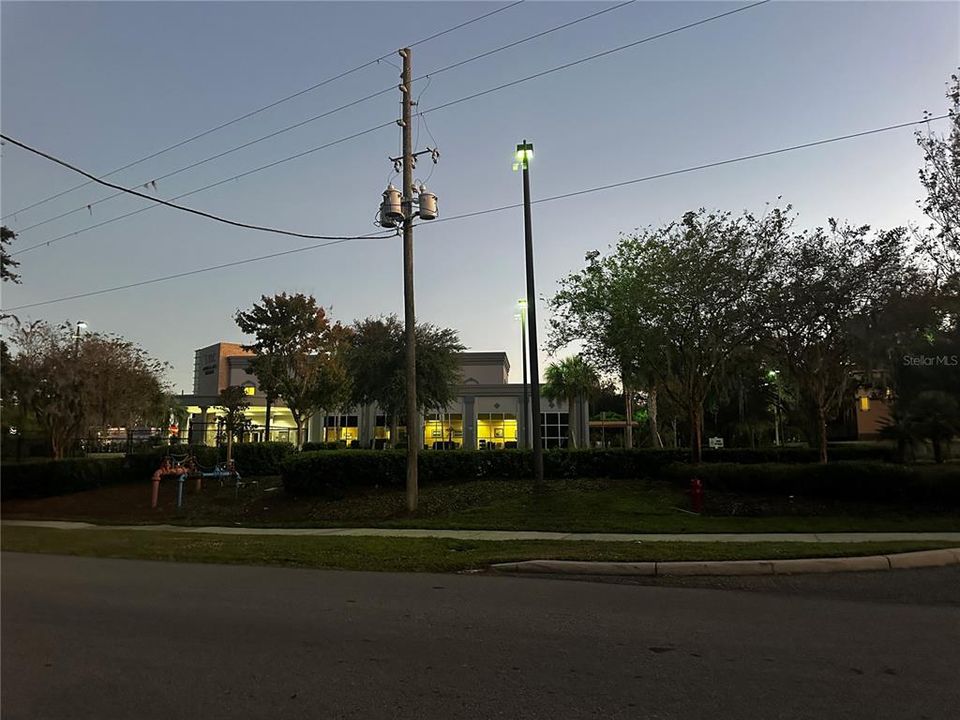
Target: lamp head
x,y
523,156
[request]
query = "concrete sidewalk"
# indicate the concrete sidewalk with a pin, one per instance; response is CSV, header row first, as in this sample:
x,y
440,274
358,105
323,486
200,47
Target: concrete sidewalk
x,y
846,537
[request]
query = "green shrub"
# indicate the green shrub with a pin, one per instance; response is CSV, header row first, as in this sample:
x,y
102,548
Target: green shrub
x,y
863,481
314,473
263,458
59,477
314,446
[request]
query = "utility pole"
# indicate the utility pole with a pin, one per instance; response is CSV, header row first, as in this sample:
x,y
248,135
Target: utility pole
x,y
524,155
410,318
397,209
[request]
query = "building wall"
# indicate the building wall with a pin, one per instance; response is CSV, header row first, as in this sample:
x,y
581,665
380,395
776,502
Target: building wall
x,y
487,407
490,368
211,367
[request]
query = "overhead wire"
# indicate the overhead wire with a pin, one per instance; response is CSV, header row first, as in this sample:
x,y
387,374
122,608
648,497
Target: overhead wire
x,y
194,211
599,188
451,103
47,243
273,104
693,168
328,113
595,56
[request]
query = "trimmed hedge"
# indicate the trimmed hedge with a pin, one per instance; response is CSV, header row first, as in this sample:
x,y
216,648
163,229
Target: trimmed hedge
x,y
265,458
315,473
314,446
59,477
864,481
320,466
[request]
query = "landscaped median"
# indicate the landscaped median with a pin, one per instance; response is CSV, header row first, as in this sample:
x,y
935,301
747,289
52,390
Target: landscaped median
x,y
416,554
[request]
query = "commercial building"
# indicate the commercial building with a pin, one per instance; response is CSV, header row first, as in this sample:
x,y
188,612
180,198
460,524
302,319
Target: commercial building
x,y
486,414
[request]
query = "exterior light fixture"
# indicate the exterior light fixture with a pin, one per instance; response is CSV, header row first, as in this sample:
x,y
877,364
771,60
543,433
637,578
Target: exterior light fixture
x,y
524,156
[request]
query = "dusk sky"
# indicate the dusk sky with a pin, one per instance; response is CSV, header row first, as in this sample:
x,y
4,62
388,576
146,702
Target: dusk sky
x,y
102,84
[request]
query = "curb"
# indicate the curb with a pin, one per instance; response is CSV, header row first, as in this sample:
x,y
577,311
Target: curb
x,y
898,561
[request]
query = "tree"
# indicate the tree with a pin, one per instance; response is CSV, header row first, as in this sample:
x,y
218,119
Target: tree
x,y
591,308
7,263
377,362
570,379
299,353
234,403
829,282
73,388
123,386
179,414
940,177
679,300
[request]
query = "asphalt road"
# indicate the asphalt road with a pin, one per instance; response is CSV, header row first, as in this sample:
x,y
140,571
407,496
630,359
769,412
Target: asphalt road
x,y
96,638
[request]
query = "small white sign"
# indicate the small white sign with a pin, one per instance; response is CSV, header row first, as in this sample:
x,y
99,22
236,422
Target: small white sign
x,y
715,442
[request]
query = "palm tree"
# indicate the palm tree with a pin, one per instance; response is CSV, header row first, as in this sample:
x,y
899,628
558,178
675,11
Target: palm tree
x,y
570,379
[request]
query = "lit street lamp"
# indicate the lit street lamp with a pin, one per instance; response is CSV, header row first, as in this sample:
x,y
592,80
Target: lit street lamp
x,y
523,157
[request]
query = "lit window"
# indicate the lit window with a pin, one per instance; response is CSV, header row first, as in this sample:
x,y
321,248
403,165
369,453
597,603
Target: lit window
x,y
249,390
865,404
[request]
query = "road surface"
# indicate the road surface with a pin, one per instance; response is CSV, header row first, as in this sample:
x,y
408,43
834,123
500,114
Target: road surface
x,y
99,638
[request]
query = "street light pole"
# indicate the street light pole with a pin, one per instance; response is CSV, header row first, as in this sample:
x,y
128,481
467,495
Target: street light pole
x,y
526,388
76,342
524,155
774,375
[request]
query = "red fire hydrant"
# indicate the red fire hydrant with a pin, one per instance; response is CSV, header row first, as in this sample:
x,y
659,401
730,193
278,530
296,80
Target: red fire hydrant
x,y
696,495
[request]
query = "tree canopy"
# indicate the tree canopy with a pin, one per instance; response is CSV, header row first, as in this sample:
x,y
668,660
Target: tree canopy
x,y
377,362
299,354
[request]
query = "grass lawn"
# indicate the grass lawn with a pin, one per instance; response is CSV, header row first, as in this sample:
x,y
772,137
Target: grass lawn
x,y
401,554
566,506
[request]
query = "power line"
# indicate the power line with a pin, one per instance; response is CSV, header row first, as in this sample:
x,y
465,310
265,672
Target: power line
x,y
193,211
599,188
335,110
188,273
205,187
267,107
211,158
473,96
595,56
696,168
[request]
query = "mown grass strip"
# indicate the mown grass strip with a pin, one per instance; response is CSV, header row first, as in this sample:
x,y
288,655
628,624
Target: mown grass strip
x,y
404,554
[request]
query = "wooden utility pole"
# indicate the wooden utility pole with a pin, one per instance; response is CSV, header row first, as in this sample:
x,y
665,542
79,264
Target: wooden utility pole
x,y
409,315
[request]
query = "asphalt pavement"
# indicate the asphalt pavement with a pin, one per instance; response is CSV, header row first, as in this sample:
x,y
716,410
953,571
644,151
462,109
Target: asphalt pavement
x,y
101,638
